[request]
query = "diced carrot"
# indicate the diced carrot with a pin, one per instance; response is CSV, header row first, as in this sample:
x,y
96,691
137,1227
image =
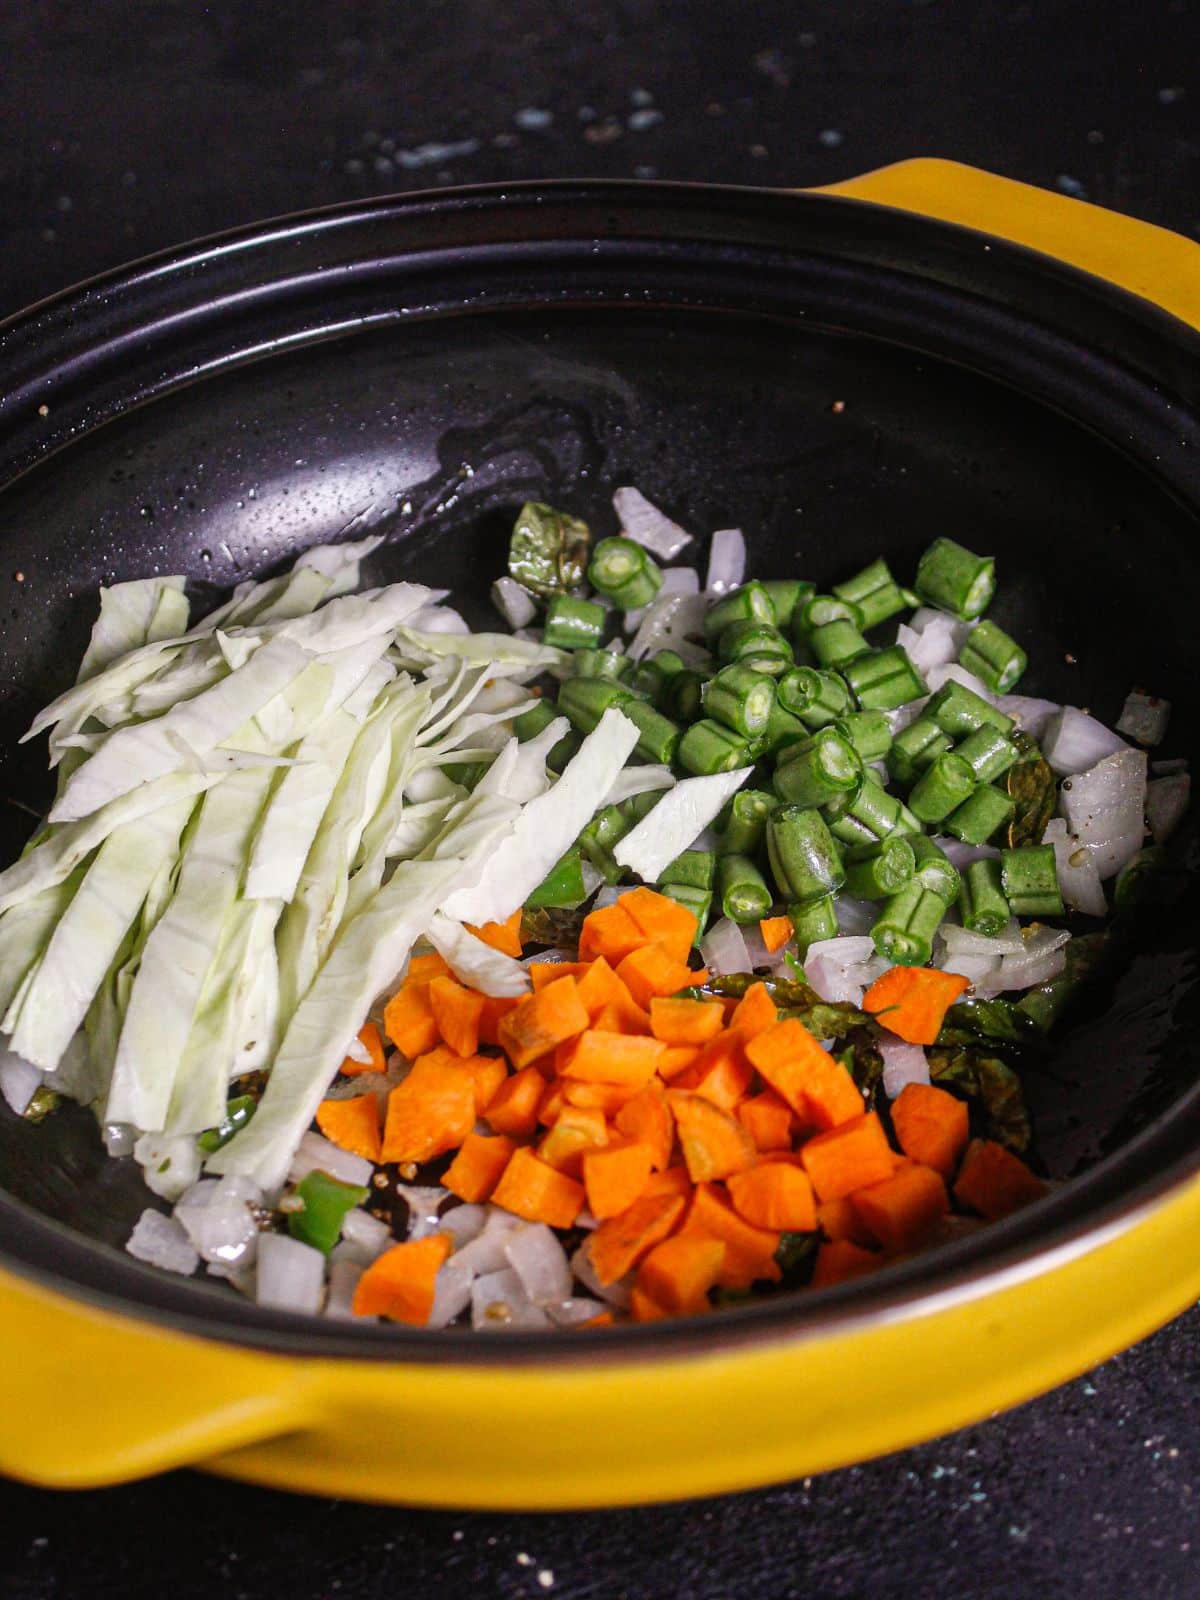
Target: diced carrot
x,y
423,969
615,1176
647,1119
440,1056
576,1131
768,1121
542,1021
677,1058
619,1243
755,1012
848,1157
553,1104
476,1169
502,936
494,1008
513,1109
672,1180
542,973
749,1251
599,986
995,1182
775,1195
531,1189
643,1309
621,1015
722,1074
602,1319
408,1020
679,1272
352,1124
903,1212
713,1142
400,1283
912,1002
776,931
606,1097
431,1111
840,1261
677,1021
368,1037
662,920
457,1011
601,1057
931,1125
650,970
838,1220
610,932
489,1072
819,1089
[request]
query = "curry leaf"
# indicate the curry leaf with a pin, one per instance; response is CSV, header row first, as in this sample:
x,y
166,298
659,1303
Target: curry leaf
x,y
991,1086
1033,789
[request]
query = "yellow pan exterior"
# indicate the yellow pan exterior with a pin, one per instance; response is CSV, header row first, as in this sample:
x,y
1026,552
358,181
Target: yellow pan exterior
x,y
90,1397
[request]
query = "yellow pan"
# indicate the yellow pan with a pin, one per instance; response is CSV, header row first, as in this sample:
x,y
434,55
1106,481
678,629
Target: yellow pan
x,y
101,1385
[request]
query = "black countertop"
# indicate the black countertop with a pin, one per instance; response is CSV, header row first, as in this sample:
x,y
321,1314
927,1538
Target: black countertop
x,y
132,124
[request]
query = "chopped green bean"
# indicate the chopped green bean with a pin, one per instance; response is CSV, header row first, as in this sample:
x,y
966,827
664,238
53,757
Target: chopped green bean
x,y
993,657
1030,878
651,677
868,732
757,645
585,700
867,814
813,921
786,594
683,695
981,901
694,868
742,889
624,573
604,664
980,816
988,753
707,748
805,860
884,679
740,698
658,736
946,784
822,609
877,871
782,730
915,749
825,765
935,871
573,624
817,698
959,711
563,885
874,591
955,579
904,929
751,603
744,821
837,643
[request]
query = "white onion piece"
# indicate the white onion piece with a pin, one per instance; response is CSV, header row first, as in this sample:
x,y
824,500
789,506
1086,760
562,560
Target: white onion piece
x,y
499,1303
162,1242
1077,875
119,1137
924,616
935,644
169,1164
669,622
980,971
1016,974
343,1280
451,1292
1074,742
464,1223
726,561
368,1234
680,580
291,1275
937,676
646,525
963,942
1029,713
20,1080
639,780
1106,806
439,619
723,948
219,1221
756,949
961,855
423,1202
540,1262
572,1311
614,1294
1144,717
608,896
485,1253
904,716
317,1154
1166,801
843,968
902,1063
514,602
855,916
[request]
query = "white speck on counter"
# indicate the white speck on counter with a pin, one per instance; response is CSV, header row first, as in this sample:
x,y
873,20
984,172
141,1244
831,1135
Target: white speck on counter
x,y
546,1578
639,121
524,1559
831,138
531,118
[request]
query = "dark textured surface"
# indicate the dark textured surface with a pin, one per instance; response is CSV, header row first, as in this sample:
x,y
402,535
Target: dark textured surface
x,y
125,127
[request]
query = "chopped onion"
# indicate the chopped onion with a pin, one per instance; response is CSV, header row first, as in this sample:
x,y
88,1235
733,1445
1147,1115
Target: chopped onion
x,y
680,580
439,619
937,676
485,1253
757,954
980,971
170,1164
540,1262
1030,714
464,1223
902,1063
615,1294
592,878
20,1080
218,1219
451,1291
572,1311
639,780
1077,875
162,1242
1144,718
1074,742
904,716
343,1280
963,942
1106,806
726,561
1166,801
935,642
669,622
646,525
842,969
291,1275
514,602
316,1154
499,1302
855,916
119,1138
723,948
961,855
1024,974
368,1234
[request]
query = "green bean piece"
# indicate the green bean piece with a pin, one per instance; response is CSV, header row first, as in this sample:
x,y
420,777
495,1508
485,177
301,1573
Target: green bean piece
x,y
585,700
915,749
696,869
935,871
698,902
874,591
868,732
325,1202
884,679
740,698
639,805
786,595
742,889
467,773
536,720
867,814
707,748
781,731
981,901
805,860
238,1112
904,929
683,695
563,886
757,645
955,579
651,676
573,624
988,753
605,664
743,824
827,764
823,609
658,736
624,573
994,657
959,711
607,827
817,698
836,644
980,816
751,603
812,922
877,871
946,784
1030,879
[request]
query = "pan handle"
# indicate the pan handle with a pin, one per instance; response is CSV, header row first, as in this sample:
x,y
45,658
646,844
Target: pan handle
x,y
1146,260
89,1398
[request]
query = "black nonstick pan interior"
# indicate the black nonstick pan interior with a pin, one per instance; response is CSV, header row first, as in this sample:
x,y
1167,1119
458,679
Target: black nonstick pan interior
x,y
834,379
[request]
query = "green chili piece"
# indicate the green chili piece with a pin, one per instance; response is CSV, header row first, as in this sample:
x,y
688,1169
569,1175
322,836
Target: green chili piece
x,y
326,1201
563,886
958,711
877,871
874,591
981,901
994,657
884,679
836,644
903,932
742,889
573,624
548,550
743,824
758,645
825,765
935,871
1030,879
751,603
694,869
805,860
868,732
915,749
624,573
740,698
987,752
707,748
980,816
786,595
955,579
946,784
238,1112
813,921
